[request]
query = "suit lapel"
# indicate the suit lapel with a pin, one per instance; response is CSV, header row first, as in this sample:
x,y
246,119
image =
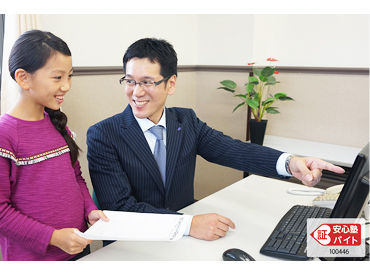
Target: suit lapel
x,y
135,139
174,140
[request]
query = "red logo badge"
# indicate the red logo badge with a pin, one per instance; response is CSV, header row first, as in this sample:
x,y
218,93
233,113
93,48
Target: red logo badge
x,y
338,234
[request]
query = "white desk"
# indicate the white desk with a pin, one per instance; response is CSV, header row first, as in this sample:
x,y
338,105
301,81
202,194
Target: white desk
x,y
255,204
336,154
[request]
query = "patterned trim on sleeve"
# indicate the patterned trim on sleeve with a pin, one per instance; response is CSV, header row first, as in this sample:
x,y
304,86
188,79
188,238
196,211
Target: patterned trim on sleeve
x,y
36,158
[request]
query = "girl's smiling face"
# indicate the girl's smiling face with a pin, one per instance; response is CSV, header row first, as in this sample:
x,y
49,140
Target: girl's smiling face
x,y
48,85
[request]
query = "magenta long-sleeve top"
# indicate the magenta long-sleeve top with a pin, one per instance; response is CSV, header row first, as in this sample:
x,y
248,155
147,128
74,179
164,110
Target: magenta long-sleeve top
x,y
40,191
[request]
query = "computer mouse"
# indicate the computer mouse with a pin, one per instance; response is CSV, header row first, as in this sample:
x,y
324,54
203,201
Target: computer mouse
x,y
235,254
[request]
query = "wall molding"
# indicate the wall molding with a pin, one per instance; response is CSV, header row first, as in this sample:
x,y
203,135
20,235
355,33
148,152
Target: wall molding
x,y
109,70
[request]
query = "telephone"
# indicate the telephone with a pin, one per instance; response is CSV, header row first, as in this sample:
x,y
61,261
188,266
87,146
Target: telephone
x,y
329,197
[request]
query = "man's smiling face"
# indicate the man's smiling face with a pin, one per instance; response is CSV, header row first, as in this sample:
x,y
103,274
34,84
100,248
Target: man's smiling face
x,y
147,102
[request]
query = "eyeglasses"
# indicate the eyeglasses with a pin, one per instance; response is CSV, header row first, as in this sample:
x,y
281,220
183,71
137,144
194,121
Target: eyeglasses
x,y
130,83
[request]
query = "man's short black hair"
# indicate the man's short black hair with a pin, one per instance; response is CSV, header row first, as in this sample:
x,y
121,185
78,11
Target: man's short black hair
x,y
156,50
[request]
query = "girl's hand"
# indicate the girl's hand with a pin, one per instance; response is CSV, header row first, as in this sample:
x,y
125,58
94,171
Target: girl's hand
x,y
96,215
68,241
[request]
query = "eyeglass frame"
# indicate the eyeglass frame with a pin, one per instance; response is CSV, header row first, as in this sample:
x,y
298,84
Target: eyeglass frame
x,y
156,83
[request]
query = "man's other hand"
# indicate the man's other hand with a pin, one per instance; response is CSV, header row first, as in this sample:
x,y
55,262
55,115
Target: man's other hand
x,y
210,226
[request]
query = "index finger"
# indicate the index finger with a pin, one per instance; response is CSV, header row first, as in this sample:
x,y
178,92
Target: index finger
x,y
226,221
321,164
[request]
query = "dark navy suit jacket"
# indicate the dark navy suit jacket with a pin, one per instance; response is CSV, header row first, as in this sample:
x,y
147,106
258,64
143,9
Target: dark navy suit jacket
x,y
125,175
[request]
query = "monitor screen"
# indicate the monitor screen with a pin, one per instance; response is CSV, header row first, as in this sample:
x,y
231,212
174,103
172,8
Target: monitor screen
x,y
354,194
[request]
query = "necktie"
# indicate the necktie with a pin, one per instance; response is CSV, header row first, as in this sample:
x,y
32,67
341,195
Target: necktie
x,y
160,150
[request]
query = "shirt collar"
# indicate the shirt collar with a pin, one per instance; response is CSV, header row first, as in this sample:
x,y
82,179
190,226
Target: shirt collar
x,y
145,124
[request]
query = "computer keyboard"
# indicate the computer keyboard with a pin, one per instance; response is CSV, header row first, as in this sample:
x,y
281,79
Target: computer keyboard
x,y
288,240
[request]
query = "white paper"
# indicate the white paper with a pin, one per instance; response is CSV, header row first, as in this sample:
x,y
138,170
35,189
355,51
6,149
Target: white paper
x,y
131,226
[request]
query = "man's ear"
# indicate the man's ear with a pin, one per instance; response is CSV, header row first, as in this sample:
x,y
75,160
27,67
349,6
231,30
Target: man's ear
x,y
171,85
23,78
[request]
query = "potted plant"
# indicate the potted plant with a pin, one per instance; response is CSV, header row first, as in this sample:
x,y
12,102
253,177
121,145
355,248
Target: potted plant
x,y
258,96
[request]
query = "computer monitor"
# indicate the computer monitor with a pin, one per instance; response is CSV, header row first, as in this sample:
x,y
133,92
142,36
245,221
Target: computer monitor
x,y
354,195
355,192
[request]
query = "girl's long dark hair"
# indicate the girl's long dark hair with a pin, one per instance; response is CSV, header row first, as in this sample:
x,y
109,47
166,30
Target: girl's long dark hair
x,y
30,52
59,119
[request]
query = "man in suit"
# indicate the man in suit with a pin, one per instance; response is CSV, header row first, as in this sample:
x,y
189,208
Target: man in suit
x,y
134,169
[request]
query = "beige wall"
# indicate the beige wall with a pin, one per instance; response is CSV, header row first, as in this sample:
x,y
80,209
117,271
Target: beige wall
x,y
331,108
327,107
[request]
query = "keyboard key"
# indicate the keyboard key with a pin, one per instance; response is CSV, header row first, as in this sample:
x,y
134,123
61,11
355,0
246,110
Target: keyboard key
x,y
277,244
271,243
291,244
283,244
284,250
295,248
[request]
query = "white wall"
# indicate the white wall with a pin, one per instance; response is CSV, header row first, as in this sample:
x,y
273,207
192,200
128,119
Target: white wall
x,y
225,39
232,39
101,40
313,40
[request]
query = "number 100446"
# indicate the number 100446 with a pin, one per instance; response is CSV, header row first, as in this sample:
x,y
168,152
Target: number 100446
x,y
339,251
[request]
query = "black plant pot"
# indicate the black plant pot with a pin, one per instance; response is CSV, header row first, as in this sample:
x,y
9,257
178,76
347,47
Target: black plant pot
x,y
257,130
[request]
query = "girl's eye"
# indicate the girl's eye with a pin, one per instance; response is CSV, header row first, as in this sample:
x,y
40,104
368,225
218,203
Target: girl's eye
x,y
70,76
57,77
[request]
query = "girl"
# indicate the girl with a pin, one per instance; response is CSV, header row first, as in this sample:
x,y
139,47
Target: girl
x,y
43,197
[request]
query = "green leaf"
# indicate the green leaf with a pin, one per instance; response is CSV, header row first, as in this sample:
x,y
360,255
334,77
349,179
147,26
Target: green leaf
x,y
252,103
252,93
241,95
226,89
278,95
253,80
268,100
249,87
271,80
257,72
267,71
229,84
263,78
272,110
283,98
239,105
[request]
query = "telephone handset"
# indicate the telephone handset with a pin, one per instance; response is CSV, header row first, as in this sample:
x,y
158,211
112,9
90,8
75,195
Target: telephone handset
x,y
329,197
